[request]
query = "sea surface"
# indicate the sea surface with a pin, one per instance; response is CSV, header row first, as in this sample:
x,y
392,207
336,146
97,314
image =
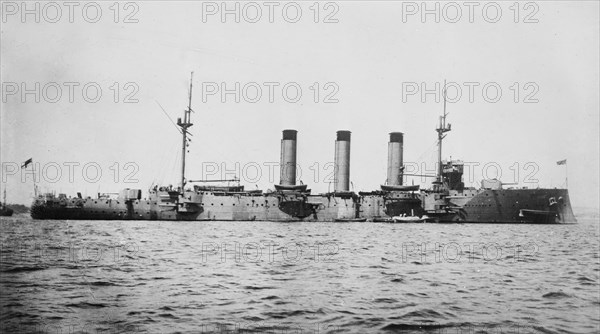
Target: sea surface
x,y
266,277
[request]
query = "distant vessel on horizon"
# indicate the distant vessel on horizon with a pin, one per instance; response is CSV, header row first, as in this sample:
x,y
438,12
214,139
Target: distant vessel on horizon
x,y
4,210
447,201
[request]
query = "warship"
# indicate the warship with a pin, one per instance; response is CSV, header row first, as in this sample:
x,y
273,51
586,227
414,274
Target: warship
x,y
4,210
448,200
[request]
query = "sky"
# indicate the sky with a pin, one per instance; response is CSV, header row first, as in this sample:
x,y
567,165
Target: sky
x,y
522,84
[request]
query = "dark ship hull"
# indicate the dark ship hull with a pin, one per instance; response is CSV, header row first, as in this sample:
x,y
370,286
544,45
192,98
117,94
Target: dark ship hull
x,y
532,206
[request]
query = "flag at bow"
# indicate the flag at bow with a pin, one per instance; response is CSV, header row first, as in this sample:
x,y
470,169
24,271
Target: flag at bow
x,y
27,163
562,162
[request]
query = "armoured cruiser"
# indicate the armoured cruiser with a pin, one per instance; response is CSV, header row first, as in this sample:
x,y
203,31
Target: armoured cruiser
x,y
447,201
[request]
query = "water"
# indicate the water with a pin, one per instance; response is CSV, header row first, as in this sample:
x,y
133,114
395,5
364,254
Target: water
x,y
164,277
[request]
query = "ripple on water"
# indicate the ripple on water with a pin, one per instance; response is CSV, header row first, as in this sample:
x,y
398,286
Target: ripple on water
x,y
556,295
165,284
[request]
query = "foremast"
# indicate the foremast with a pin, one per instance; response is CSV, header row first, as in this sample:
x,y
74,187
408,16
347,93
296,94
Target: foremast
x,y
441,130
184,125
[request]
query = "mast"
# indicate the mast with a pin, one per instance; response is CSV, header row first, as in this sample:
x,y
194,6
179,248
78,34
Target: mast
x,y
184,126
442,128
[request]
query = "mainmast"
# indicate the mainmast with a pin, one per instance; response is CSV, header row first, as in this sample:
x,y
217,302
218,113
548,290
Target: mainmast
x,y
442,128
184,126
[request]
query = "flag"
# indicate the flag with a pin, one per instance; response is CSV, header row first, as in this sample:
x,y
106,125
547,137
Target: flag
x,y
27,162
562,162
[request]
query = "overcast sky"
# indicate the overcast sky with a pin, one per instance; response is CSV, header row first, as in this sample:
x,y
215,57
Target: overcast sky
x,y
364,59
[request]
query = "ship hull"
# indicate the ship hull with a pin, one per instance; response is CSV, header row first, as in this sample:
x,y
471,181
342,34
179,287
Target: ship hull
x,y
201,206
531,206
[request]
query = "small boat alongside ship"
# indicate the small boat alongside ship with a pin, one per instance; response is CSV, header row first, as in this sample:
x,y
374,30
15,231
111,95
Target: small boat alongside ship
x,y
409,219
448,200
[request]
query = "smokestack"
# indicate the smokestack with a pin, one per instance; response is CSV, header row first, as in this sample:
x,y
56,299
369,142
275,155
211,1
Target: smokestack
x,y
342,162
288,158
395,159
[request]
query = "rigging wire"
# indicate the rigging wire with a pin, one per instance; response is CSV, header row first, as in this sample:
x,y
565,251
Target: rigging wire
x,y
175,167
169,151
169,117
